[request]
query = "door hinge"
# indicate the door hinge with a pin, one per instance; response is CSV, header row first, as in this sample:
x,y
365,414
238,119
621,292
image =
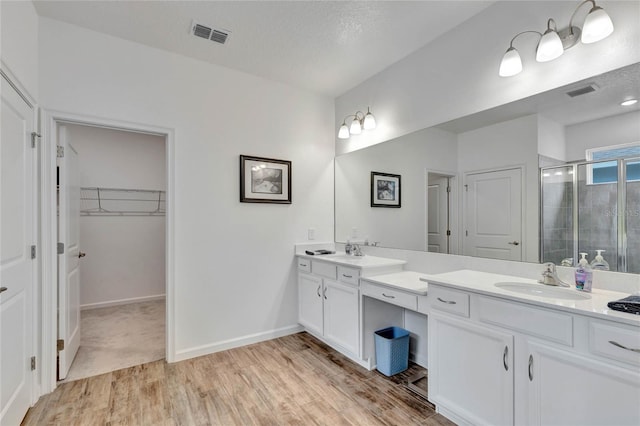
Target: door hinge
x,y
448,232
60,345
33,252
60,151
34,135
466,233
448,189
33,363
60,248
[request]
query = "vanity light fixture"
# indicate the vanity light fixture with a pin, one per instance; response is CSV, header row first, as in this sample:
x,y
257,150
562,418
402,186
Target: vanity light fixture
x,y
552,44
359,121
629,102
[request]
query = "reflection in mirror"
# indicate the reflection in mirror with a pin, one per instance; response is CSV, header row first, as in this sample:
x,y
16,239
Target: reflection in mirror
x,y
491,162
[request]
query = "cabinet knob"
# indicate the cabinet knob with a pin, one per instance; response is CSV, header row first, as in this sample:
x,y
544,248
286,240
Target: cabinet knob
x,y
318,291
514,243
531,368
81,254
448,302
3,289
614,343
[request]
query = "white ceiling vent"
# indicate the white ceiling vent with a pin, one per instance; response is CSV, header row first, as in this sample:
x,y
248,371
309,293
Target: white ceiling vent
x,y
214,34
592,87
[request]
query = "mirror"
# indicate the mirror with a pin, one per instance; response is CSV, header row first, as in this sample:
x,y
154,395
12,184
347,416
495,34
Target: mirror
x,y
471,186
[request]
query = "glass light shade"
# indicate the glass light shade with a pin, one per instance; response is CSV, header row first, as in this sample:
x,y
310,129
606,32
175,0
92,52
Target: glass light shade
x,y
343,133
511,63
549,47
597,25
355,128
369,121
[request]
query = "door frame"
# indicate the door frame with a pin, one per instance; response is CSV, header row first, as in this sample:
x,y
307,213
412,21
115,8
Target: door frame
x,y
454,219
523,202
49,238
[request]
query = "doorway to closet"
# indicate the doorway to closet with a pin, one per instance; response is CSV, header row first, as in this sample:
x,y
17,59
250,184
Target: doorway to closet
x,y
115,304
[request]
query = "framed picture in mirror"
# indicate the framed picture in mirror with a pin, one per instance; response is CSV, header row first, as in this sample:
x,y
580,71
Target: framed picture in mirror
x,y
385,190
265,180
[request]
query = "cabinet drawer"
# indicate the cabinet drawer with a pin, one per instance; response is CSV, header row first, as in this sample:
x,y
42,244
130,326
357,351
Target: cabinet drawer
x,y
389,295
606,340
454,301
348,275
327,270
304,265
539,322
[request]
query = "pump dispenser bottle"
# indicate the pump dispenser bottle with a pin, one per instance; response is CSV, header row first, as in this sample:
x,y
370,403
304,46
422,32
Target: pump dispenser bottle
x,y
584,274
599,262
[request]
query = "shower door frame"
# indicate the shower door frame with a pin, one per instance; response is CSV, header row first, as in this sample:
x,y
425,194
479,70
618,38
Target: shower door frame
x,y
621,261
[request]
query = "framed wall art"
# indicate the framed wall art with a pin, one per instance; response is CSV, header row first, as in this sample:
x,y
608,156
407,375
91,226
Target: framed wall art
x,y
265,180
385,190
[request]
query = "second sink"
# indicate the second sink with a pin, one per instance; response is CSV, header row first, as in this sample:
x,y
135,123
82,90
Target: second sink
x,y
541,290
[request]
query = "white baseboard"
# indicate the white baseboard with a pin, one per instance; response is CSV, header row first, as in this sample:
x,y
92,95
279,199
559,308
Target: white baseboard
x,y
121,302
235,343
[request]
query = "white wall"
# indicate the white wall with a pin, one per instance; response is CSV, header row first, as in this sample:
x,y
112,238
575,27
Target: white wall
x,y
234,270
457,74
615,130
125,259
19,42
551,139
411,157
506,144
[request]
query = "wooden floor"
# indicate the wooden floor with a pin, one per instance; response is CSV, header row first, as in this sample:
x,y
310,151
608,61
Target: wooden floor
x,y
291,380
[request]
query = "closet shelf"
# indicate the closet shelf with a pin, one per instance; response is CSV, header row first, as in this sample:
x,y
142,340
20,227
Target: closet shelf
x,y
98,201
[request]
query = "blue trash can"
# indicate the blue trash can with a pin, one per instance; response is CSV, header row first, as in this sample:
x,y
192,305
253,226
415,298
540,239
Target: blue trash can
x,y
392,350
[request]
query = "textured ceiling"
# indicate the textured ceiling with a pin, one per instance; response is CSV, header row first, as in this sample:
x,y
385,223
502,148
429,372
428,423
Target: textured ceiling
x,y
324,46
612,88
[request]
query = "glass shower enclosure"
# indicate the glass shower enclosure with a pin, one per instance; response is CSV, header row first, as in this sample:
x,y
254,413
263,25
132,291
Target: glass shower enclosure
x,y
591,206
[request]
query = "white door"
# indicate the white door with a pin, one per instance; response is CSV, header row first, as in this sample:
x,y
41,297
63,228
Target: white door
x,y
310,303
599,393
494,214
68,262
438,214
17,235
341,315
471,370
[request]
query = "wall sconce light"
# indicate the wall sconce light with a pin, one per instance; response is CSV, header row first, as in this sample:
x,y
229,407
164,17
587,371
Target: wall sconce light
x,y
552,44
359,121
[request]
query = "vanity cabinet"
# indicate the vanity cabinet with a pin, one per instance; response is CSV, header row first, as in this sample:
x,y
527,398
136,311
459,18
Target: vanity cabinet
x,y
470,370
328,306
497,361
566,388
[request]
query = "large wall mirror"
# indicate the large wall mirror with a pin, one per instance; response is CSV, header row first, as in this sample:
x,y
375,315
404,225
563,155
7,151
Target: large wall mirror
x,y
474,186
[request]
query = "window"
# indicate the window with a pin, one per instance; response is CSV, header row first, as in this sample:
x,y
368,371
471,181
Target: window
x,y
607,171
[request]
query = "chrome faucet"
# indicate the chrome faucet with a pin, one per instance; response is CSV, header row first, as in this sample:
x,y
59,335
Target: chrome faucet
x,y
549,276
357,251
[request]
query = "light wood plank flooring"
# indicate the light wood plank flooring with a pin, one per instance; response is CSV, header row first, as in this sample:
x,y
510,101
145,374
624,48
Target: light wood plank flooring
x,y
291,380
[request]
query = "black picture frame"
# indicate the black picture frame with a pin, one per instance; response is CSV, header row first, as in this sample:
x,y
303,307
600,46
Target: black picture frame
x,y
385,190
265,180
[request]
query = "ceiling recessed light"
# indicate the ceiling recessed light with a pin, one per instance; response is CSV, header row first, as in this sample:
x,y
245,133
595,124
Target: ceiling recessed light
x,y
629,102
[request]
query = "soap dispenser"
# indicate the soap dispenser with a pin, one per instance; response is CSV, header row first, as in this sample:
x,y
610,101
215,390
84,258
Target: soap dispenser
x,y
584,274
599,262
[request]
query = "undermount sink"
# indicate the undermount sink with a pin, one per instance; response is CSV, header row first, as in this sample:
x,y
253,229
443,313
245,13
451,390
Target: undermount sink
x,y
542,290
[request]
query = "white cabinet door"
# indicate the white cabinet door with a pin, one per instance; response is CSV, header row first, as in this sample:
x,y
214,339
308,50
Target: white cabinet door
x,y
470,371
569,389
310,302
341,315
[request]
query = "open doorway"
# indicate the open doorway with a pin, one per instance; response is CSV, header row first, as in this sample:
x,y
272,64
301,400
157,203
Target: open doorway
x,y
111,225
440,213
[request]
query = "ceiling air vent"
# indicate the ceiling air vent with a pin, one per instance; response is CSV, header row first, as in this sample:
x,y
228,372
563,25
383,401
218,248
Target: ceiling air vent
x,y
213,34
583,90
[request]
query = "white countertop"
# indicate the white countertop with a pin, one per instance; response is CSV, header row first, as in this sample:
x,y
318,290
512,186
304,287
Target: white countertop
x,y
483,282
406,280
354,261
